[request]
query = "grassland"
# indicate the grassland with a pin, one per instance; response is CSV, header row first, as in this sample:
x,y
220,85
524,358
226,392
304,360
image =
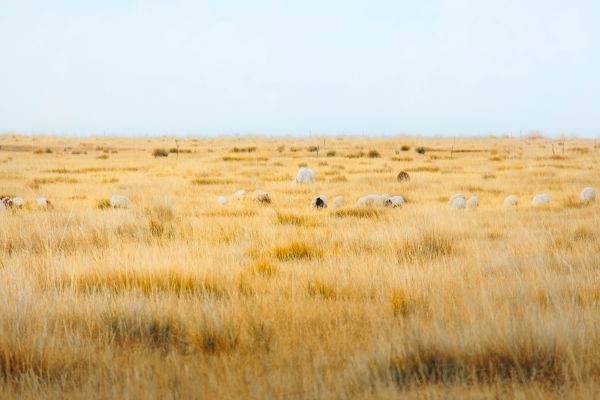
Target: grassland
x,y
182,297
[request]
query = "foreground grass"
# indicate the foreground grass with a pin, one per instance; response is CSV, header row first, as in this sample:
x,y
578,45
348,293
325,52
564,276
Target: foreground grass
x,y
182,297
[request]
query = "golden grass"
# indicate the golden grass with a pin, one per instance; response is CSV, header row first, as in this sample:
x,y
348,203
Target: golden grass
x,y
211,181
296,251
356,212
427,246
296,219
183,297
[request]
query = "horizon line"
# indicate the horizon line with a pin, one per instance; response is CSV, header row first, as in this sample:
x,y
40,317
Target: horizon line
x,y
112,135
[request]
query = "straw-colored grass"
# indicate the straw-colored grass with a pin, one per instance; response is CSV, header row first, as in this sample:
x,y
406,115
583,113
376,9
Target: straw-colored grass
x,y
183,297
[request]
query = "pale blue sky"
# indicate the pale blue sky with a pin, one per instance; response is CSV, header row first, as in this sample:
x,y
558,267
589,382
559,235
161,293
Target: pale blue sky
x,y
439,67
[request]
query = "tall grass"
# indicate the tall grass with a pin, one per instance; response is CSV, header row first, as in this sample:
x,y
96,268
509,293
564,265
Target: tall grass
x,y
183,297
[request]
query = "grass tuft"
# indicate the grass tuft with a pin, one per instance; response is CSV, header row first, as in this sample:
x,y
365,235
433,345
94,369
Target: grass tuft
x,y
429,245
160,153
295,219
360,213
264,268
296,251
103,204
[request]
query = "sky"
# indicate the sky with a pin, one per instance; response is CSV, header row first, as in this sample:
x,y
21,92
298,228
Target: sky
x,y
276,67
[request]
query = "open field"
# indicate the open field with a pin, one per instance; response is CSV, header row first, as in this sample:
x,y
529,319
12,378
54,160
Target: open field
x,y
182,297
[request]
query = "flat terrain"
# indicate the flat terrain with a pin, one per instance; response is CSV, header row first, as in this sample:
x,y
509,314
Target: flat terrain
x,y
181,297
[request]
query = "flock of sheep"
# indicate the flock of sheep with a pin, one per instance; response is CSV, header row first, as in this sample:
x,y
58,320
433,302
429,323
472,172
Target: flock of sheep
x,y
18,202
457,201
307,176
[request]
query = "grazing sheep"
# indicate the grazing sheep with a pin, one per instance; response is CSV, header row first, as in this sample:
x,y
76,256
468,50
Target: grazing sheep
x,y
457,201
43,202
587,195
510,201
6,202
239,194
454,196
375,200
305,175
367,200
2,206
382,200
403,177
396,201
540,199
222,199
473,202
18,202
337,201
319,202
120,201
261,196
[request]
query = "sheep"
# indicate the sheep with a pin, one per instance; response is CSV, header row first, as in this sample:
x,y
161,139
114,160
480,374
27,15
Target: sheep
x,y
367,200
587,195
2,206
403,176
473,202
384,200
261,196
540,199
375,200
222,199
239,194
120,201
396,201
319,202
18,202
43,202
337,201
380,200
511,201
454,196
6,202
305,175
457,201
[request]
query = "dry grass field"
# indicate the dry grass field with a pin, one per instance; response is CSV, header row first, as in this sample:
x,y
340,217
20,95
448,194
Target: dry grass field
x,y
181,297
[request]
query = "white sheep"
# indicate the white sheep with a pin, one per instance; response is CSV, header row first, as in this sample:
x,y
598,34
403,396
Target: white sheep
x,y
369,200
18,202
540,199
396,201
337,201
222,199
239,194
319,202
382,200
365,201
511,201
120,201
375,200
457,201
261,196
305,175
473,202
43,202
587,195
